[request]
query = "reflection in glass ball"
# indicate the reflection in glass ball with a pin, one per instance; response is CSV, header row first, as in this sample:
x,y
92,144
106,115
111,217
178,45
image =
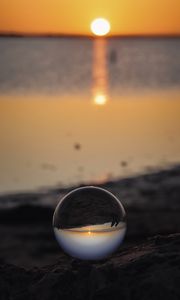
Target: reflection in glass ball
x,y
89,223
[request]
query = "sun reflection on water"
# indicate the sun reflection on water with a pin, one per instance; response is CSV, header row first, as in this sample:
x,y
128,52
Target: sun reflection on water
x,y
100,72
100,99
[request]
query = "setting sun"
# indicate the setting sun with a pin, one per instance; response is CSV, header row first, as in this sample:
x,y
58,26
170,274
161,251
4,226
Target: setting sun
x,y
100,27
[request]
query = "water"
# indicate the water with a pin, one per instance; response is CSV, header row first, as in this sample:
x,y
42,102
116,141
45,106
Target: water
x,y
64,66
45,66
122,112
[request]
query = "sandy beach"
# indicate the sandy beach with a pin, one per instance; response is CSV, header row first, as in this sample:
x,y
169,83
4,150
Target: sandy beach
x,y
149,255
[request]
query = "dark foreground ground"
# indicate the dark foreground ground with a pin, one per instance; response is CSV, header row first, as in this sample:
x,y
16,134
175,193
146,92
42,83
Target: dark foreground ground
x,y
146,266
150,271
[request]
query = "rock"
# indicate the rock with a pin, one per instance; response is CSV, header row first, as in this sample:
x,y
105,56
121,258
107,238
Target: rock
x,y
149,271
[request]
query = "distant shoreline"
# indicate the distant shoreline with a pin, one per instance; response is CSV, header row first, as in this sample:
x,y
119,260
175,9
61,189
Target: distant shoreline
x,y
81,36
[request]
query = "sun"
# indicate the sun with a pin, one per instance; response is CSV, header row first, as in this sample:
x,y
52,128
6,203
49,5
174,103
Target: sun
x,y
100,27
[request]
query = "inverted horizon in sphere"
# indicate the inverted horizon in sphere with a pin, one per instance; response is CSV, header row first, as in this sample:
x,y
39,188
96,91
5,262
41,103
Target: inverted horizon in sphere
x,y
100,27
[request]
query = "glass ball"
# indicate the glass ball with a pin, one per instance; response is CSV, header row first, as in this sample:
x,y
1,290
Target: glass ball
x,y
89,223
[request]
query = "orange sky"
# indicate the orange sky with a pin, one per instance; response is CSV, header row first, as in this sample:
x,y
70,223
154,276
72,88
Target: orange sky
x,y
74,16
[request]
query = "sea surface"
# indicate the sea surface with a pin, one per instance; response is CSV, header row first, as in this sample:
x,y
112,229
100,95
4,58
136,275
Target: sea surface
x,y
80,110
63,67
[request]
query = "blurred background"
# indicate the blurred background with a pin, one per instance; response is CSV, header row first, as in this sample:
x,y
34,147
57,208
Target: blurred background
x,y
77,110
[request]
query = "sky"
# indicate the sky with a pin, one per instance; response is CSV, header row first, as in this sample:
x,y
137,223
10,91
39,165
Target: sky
x,y
74,16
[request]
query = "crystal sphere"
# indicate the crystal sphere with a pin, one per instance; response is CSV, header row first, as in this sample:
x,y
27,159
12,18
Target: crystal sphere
x,y
89,223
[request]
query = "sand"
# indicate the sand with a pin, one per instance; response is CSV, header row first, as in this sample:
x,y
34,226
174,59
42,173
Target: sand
x,y
146,266
150,271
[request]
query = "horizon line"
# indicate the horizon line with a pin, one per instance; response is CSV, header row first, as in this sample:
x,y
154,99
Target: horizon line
x,y
90,36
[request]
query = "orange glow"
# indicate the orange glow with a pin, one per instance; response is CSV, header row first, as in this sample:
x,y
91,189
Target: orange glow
x,y
141,127
100,72
74,17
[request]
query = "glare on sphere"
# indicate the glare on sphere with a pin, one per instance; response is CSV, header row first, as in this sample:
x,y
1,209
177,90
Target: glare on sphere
x,y
89,223
100,27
